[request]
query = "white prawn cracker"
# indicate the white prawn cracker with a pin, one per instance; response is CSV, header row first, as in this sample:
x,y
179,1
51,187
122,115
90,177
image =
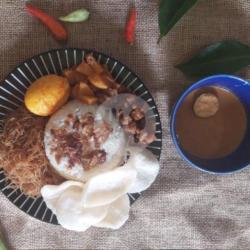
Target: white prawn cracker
x,y
51,193
107,187
65,201
72,215
146,166
118,213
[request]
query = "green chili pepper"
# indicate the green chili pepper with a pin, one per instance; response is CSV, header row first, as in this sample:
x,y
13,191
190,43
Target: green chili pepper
x,y
80,15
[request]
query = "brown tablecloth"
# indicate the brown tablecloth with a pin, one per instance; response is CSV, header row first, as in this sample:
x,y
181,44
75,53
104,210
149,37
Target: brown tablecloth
x,y
185,208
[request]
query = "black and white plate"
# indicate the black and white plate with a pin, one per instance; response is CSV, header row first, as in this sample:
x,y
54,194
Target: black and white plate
x,y
12,92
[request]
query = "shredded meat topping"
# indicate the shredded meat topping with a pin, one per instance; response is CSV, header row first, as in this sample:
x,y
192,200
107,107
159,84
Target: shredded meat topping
x,y
101,133
80,140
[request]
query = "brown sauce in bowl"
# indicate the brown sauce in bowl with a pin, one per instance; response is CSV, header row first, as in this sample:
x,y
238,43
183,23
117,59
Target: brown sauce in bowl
x,y
216,136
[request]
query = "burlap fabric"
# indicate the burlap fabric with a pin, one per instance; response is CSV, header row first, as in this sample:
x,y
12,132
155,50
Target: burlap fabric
x,y
185,208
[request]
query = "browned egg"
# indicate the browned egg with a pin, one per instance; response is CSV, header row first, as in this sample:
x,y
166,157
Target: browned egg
x,y
206,105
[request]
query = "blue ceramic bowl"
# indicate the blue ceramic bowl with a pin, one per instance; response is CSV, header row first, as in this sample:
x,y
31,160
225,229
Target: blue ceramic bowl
x,y
240,158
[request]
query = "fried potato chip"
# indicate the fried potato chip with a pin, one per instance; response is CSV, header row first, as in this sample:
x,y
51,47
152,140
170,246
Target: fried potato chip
x,y
90,100
94,64
109,80
84,93
85,69
74,76
82,88
106,69
99,81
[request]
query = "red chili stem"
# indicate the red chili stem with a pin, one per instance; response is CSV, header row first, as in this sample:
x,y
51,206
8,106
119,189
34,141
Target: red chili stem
x,y
56,28
130,27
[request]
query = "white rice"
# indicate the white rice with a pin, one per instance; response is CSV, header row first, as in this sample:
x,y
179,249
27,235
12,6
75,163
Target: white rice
x,y
114,146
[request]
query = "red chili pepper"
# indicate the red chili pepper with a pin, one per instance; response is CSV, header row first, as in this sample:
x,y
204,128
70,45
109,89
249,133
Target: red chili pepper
x,y
53,25
130,27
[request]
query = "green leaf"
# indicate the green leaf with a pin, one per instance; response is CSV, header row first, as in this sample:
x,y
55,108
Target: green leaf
x,y
170,12
2,245
226,57
80,15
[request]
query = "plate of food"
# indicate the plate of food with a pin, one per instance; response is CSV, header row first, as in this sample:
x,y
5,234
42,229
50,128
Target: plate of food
x,y
80,136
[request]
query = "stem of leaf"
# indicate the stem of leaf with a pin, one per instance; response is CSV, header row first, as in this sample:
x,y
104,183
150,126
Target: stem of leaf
x,y
159,39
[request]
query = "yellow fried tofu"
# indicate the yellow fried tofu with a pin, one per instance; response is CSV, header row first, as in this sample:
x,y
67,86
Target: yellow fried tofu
x,y
47,94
